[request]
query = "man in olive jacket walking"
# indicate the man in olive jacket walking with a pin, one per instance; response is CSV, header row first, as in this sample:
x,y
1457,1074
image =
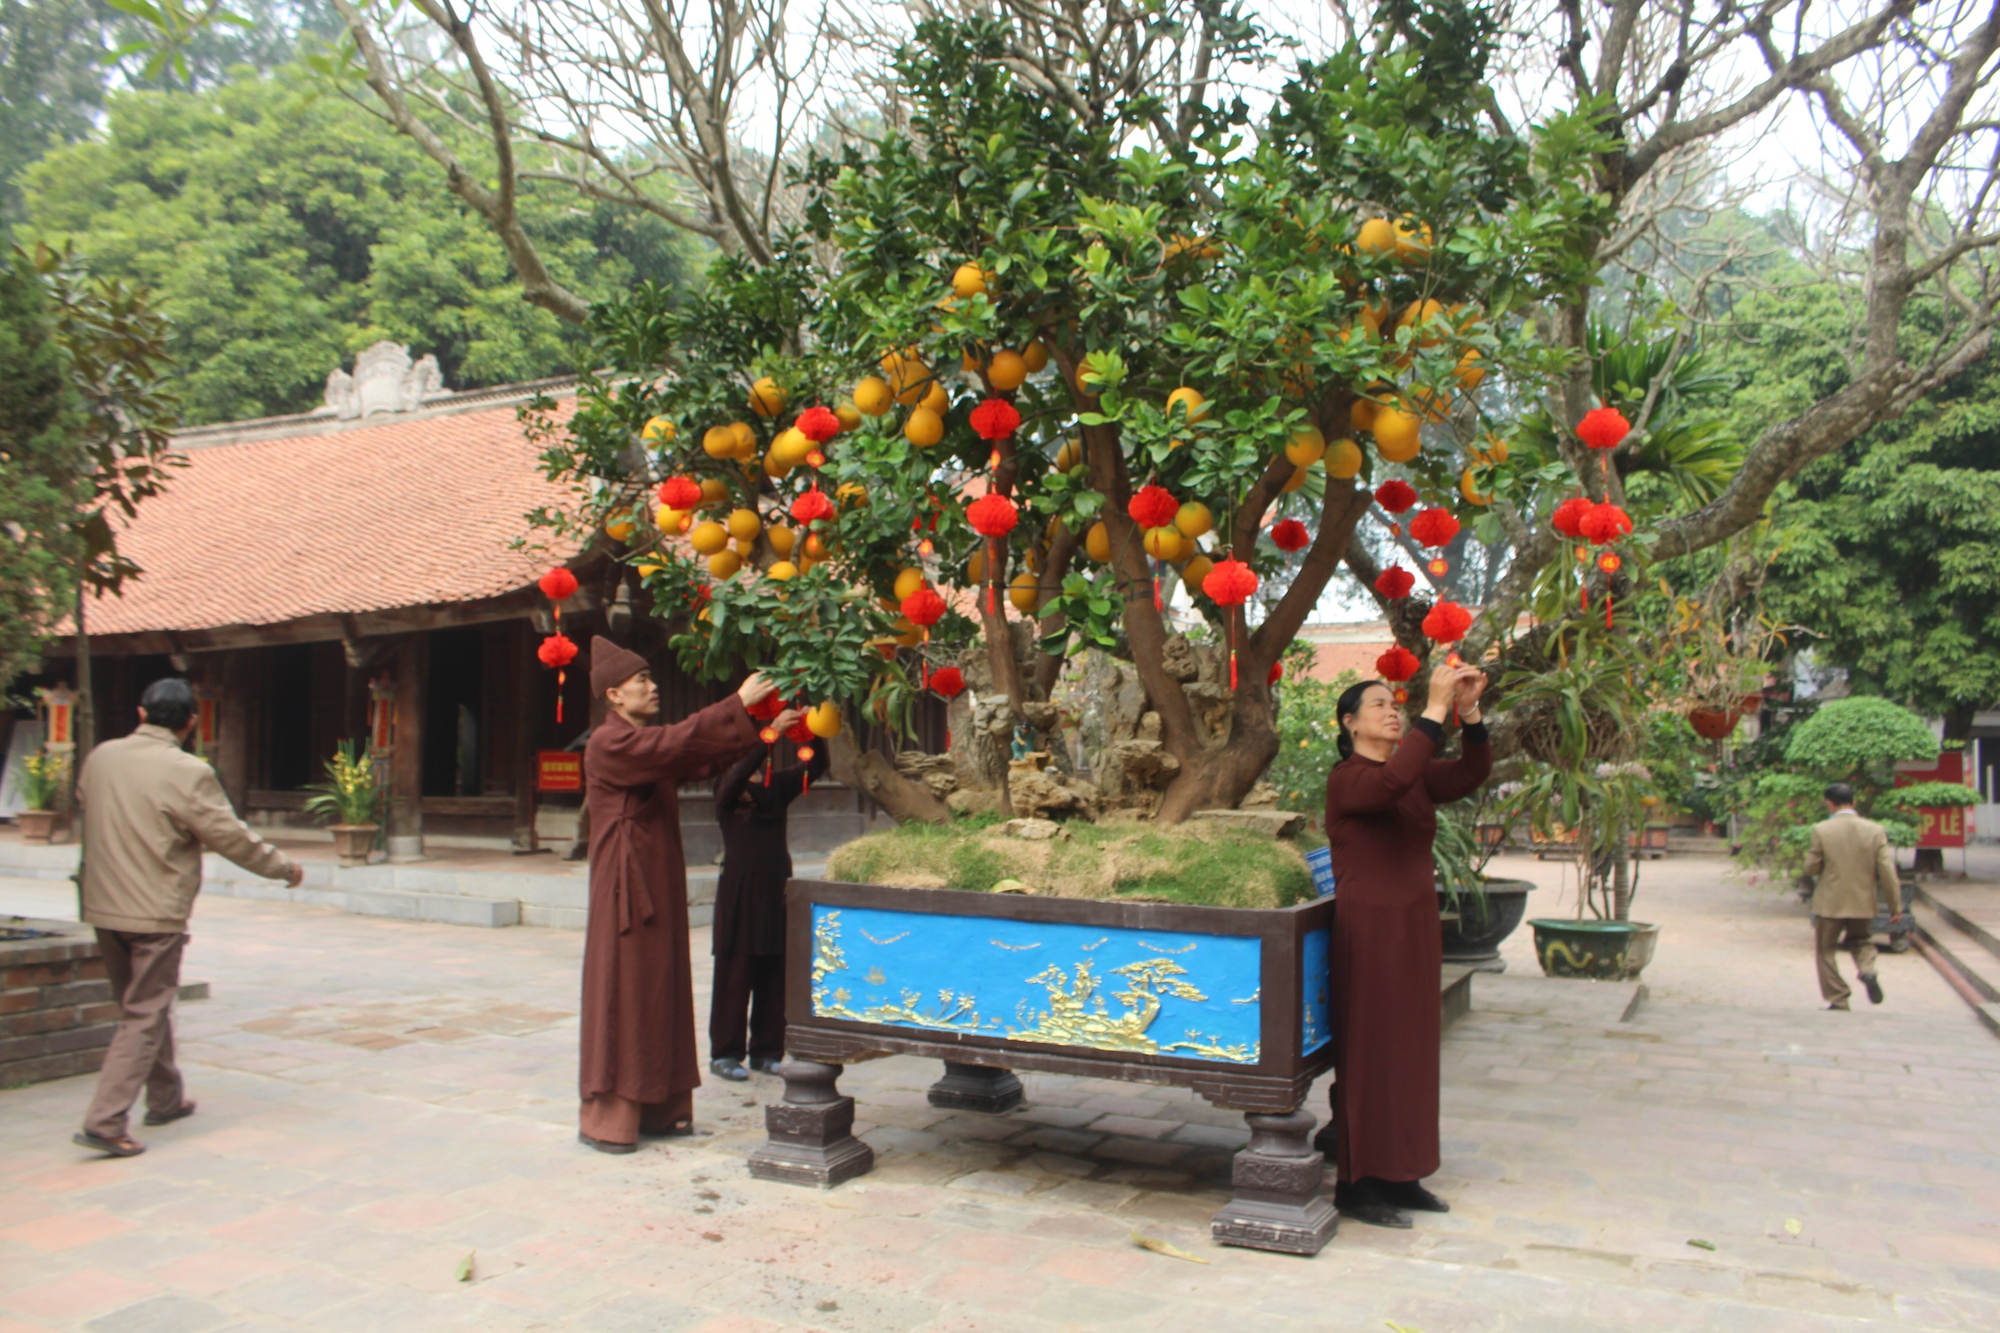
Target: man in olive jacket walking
x,y
149,808
1851,858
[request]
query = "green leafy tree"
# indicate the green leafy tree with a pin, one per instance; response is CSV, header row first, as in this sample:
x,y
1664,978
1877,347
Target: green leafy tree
x,y
284,231
51,84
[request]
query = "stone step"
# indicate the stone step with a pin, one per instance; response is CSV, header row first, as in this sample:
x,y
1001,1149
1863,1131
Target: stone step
x,y
1953,945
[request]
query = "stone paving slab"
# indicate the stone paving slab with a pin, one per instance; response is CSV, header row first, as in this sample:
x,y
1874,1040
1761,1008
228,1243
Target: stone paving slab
x,y
382,1098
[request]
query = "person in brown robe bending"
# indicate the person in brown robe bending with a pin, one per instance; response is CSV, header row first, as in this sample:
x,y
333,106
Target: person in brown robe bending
x,y
638,1069
749,939
1388,1019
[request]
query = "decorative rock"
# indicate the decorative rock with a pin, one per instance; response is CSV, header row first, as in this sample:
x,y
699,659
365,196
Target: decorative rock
x,y
1033,830
1038,795
1130,767
1270,823
939,772
972,801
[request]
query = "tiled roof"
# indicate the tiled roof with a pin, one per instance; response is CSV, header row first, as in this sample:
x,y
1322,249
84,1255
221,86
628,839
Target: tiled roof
x,y
411,511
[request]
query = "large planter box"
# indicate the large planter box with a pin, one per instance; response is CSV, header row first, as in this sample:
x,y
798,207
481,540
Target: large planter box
x,y
1230,1002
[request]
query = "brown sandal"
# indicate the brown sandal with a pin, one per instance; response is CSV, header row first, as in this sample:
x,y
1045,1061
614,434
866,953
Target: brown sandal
x,y
122,1146
181,1112
605,1145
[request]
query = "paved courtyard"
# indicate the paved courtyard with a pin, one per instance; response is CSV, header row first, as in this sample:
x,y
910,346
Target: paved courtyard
x,y
382,1101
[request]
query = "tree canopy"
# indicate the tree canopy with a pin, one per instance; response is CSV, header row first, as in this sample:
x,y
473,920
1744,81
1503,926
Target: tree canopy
x,y
41,460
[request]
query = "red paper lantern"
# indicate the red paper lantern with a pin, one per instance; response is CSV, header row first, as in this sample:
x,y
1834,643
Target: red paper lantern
x,y
949,682
557,651
1395,581
1603,428
992,515
811,506
1604,523
1396,495
1609,562
924,608
1568,516
995,419
1290,535
1447,622
1433,527
1398,664
817,424
1153,507
1277,673
557,585
1229,585
799,733
768,707
680,493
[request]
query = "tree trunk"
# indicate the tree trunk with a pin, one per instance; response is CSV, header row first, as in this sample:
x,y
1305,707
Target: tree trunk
x,y
85,728
1218,777
868,772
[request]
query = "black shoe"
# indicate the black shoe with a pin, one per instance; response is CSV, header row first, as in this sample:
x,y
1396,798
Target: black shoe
x,y
764,1064
1366,1205
1873,987
605,1145
1837,1008
732,1070
1412,1195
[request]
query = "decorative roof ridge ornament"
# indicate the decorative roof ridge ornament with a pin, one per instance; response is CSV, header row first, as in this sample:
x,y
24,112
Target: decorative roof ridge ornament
x,y
385,379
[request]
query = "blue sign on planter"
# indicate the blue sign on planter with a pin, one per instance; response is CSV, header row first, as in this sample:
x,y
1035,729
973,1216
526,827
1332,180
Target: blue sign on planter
x,y
1195,996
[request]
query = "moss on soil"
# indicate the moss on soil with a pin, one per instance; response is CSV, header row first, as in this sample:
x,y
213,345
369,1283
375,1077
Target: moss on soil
x,y
1187,863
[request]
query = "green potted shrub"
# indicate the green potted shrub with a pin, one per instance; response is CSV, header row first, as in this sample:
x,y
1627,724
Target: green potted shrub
x,y
351,796
45,774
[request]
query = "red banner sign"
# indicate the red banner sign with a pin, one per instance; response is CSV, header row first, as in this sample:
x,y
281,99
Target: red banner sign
x,y
1940,826
558,770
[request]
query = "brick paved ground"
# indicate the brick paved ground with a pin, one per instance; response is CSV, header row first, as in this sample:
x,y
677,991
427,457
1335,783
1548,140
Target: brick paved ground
x,y
382,1098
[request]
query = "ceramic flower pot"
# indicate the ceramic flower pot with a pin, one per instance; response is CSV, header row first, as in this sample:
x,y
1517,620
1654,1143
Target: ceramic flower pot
x,y
37,825
1484,921
353,842
1594,950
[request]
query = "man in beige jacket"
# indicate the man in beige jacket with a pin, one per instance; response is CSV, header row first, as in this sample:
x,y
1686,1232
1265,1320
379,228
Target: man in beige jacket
x,y
149,808
1851,858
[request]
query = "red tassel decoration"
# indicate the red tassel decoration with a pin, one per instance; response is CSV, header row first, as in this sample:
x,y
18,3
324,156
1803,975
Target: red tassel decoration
x,y
1158,605
1607,608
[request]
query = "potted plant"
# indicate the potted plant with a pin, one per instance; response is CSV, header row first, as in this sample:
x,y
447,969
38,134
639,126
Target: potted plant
x,y
351,796
1476,913
44,776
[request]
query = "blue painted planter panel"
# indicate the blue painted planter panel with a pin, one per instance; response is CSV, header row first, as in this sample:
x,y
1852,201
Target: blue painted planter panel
x,y
1316,989
1160,992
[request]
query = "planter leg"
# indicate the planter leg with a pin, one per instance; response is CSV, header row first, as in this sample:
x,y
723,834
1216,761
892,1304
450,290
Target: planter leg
x,y
812,1131
1277,1204
976,1088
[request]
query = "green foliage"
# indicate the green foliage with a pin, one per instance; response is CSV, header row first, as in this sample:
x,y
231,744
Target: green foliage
x,y
1859,739
353,790
1933,794
284,230
1307,732
41,464
51,84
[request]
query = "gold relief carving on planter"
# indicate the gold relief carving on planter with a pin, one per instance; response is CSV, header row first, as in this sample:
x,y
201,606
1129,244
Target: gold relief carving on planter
x,y
827,954
1078,1016
953,1011
1582,962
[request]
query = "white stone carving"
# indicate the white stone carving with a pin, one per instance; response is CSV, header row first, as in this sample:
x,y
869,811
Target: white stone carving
x,y
384,380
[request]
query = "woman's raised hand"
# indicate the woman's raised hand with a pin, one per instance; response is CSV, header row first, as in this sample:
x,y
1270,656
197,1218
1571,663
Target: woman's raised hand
x,y
1471,687
1444,688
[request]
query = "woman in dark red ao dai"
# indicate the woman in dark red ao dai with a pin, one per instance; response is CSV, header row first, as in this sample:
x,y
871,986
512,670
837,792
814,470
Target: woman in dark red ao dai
x,y
1381,817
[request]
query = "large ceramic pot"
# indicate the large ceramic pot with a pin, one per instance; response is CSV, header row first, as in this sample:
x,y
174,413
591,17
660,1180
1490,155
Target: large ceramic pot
x,y
1233,1003
353,842
37,825
1484,921
1594,950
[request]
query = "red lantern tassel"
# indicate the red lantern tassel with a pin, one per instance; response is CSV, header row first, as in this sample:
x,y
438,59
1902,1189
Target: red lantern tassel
x,y
561,675
1232,654
1157,604
992,576
1607,608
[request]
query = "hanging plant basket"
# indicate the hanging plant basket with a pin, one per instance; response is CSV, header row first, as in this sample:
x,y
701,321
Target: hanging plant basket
x,y
1713,724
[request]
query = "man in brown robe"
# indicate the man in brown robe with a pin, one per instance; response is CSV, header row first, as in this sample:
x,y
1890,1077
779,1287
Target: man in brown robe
x,y
638,1070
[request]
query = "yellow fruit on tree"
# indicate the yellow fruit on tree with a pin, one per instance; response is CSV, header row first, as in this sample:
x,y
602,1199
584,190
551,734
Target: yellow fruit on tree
x,y
766,398
746,439
1431,405
908,635
1097,543
815,546
744,525
975,568
872,396
669,521
1297,479
719,442
782,571
1306,446
791,446
1164,543
823,720
1069,455
746,549
847,414
1465,488
620,528
935,398
775,466
708,538
852,493
724,564
1398,437
1418,313
1025,592
908,377
1496,448
924,427
969,281
908,581
1007,370
1197,569
1413,240
781,540
648,568
1378,237
1361,416
1470,372
714,490
1191,402
659,430
1035,356
1343,459
1194,519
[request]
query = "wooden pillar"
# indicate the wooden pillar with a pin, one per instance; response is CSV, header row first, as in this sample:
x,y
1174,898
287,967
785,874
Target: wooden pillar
x,y
236,724
406,768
